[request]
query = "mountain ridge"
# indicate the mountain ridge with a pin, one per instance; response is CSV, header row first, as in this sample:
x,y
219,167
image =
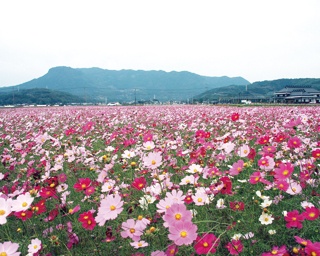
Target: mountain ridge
x,y
96,84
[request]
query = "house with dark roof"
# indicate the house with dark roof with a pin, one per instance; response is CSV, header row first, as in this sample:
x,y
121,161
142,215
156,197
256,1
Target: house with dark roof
x,y
297,94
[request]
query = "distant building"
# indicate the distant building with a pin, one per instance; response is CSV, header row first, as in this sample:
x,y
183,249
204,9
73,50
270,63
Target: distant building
x,y
297,94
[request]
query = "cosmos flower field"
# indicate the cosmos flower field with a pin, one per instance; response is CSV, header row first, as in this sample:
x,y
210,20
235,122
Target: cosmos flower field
x,y
160,180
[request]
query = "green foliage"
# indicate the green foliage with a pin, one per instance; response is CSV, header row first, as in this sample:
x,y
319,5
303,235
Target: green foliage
x,y
39,96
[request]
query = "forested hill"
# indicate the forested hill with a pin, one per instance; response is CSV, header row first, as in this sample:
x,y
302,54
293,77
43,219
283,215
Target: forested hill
x,y
262,89
39,96
98,85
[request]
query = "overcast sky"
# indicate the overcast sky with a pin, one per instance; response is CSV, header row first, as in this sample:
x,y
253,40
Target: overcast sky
x,y
256,39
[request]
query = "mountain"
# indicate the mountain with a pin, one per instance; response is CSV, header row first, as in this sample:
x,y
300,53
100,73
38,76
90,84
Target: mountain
x,y
101,85
39,96
262,90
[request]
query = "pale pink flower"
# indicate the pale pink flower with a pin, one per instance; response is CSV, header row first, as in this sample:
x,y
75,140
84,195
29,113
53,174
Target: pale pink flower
x,y
22,202
5,210
176,213
35,246
132,229
190,179
164,204
236,168
194,168
183,232
200,198
148,145
176,196
294,188
158,253
9,249
139,244
244,151
153,160
109,209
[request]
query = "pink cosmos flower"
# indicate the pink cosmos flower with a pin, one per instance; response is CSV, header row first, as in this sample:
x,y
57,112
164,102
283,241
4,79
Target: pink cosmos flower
x,y
294,142
294,219
313,249
282,185
276,251
131,229
172,250
266,163
183,232
153,160
176,213
311,213
9,249
205,244
82,184
236,168
234,247
284,171
109,209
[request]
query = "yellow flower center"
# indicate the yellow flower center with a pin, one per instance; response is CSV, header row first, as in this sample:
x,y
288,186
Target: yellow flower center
x,y
132,230
285,172
112,207
89,222
23,214
3,254
139,244
205,244
153,162
24,204
199,199
178,216
274,252
83,186
183,233
312,214
2,212
35,246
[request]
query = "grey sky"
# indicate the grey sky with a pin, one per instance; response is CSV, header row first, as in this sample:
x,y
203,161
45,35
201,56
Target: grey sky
x,y
256,39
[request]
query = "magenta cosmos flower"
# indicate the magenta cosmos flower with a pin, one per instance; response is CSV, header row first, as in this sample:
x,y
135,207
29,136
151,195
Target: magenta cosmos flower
x,y
294,219
9,249
176,213
109,209
183,232
206,244
277,251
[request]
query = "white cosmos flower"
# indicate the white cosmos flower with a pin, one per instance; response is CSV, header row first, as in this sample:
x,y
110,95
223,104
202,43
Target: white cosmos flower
x,y
266,219
22,203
